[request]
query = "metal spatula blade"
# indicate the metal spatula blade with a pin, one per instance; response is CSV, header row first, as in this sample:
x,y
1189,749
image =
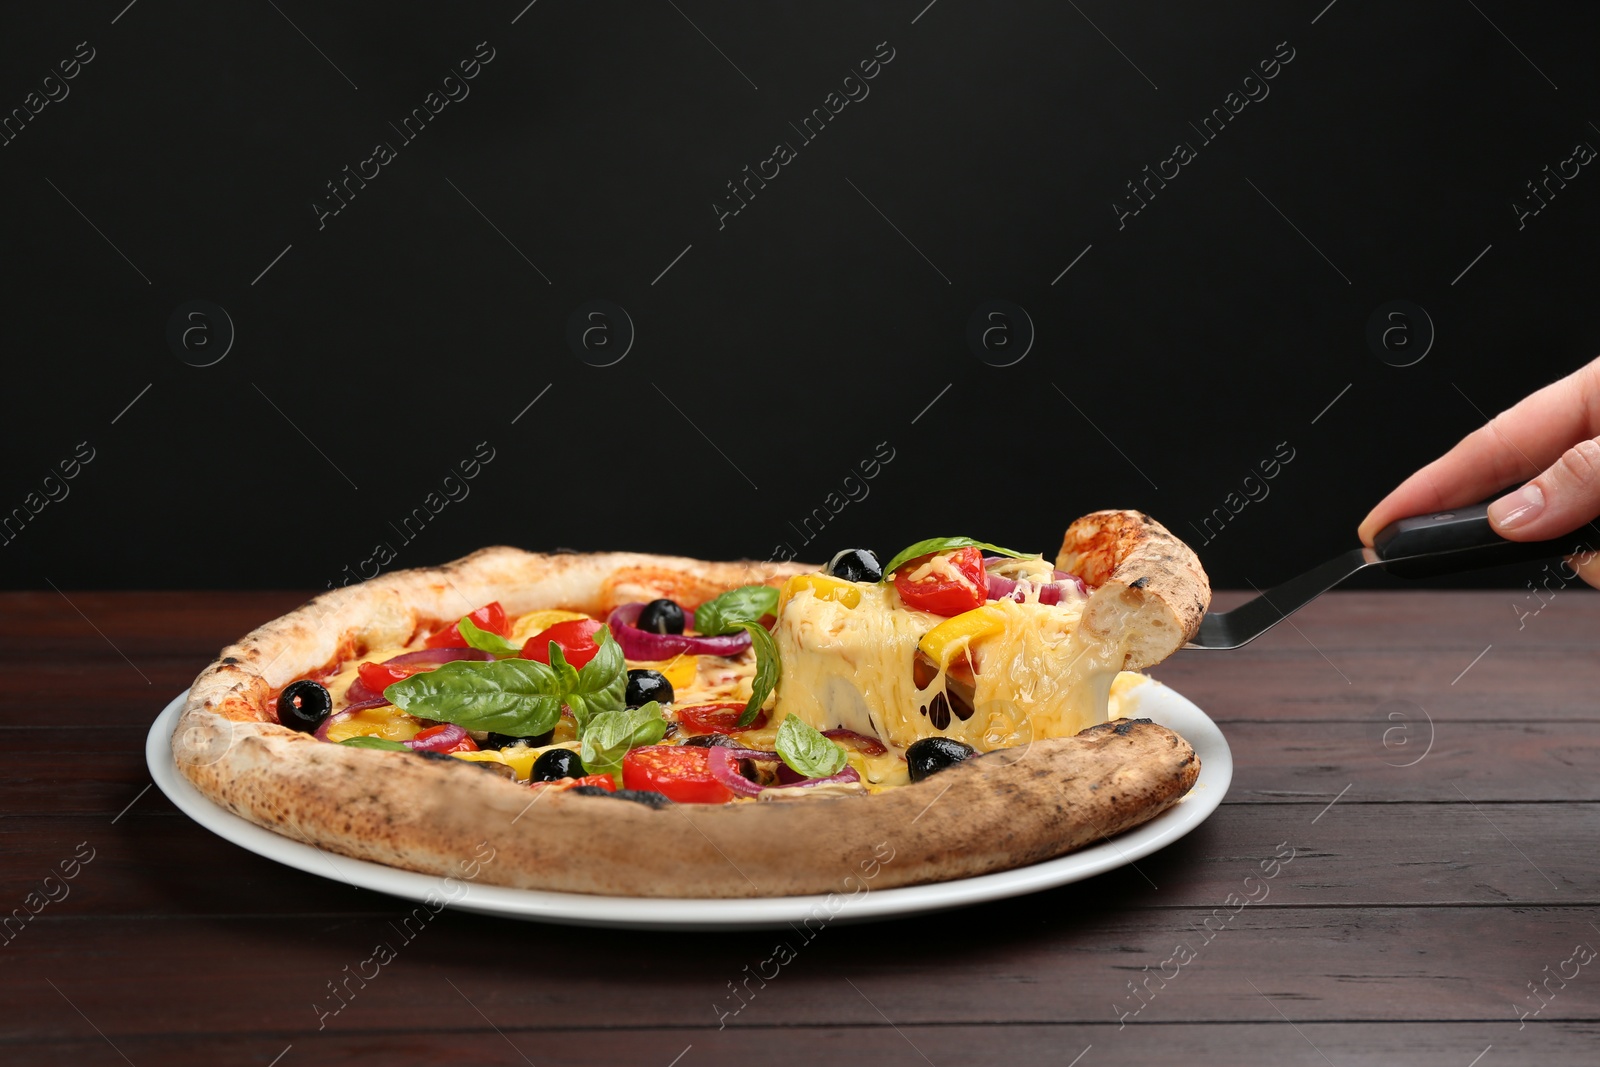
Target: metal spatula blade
x,y
1446,542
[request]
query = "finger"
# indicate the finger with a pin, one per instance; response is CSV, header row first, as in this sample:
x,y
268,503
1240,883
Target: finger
x,y
1587,564
1561,499
1513,445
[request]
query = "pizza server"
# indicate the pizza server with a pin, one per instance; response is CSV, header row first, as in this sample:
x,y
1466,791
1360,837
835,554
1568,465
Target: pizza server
x,y
1446,542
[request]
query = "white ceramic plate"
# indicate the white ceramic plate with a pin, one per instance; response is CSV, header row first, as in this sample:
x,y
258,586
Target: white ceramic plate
x,y
1153,701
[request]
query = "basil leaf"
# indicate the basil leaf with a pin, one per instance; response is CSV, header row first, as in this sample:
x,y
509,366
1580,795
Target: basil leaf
x,y
767,668
516,696
945,544
520,697
484,641
374,742
728,612
599,687
610,735
806,751
566,673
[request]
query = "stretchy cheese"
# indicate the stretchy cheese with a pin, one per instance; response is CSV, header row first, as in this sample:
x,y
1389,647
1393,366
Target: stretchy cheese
x,y
1034,672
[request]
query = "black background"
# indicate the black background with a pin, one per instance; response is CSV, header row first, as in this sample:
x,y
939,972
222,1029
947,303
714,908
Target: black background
x,y
781,349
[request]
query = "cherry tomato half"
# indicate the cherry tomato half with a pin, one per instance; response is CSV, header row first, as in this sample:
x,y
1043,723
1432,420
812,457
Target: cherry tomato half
x,y
717,719
680,772
380,676
466,744
575,636
963,588
490,617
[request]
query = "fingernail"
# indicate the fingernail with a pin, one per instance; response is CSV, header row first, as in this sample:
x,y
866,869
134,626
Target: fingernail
x,y
1517,509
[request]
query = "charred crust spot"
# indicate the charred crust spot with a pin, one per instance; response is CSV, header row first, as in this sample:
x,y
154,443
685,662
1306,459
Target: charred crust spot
x,y
648,797
228,661
1139,583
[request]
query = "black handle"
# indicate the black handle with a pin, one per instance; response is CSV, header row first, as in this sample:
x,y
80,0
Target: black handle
x,y
1461,539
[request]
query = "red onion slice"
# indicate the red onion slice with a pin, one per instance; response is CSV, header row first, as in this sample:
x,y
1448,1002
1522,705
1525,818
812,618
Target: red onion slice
x,y
847,775
363,705
443,741
358,692
1068,576
640,644
870,746
1006,588
726,771
749,753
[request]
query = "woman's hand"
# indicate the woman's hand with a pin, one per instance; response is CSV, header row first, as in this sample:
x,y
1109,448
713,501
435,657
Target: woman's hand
x,y
1554,432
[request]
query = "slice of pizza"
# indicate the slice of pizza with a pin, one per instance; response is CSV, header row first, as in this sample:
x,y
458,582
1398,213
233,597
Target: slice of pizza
x,y
961,640
656,726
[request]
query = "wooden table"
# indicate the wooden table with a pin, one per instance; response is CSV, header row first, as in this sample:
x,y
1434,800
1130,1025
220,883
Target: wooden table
x,y
1430,760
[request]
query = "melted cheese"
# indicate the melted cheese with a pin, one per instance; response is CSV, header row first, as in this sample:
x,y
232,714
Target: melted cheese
x,y
1124,697
851,667
1037,674
941,567
1040,676
1034,569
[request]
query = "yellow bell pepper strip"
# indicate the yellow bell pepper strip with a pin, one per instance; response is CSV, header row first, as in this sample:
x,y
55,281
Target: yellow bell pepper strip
x,y
387,722
537,622
519,758
485,755
822,587
957,634
680,671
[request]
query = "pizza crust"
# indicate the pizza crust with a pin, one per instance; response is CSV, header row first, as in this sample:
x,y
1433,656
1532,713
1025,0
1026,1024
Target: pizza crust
x,y
1149,585
1003,810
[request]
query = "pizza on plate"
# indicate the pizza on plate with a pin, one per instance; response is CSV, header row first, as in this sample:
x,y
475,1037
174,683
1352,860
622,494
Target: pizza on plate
x,y
638,725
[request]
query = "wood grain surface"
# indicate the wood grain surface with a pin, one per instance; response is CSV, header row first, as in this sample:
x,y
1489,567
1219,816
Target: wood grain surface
x,y
1428,759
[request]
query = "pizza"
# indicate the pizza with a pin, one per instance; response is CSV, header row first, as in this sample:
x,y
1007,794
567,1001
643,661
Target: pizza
x,y
655,726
